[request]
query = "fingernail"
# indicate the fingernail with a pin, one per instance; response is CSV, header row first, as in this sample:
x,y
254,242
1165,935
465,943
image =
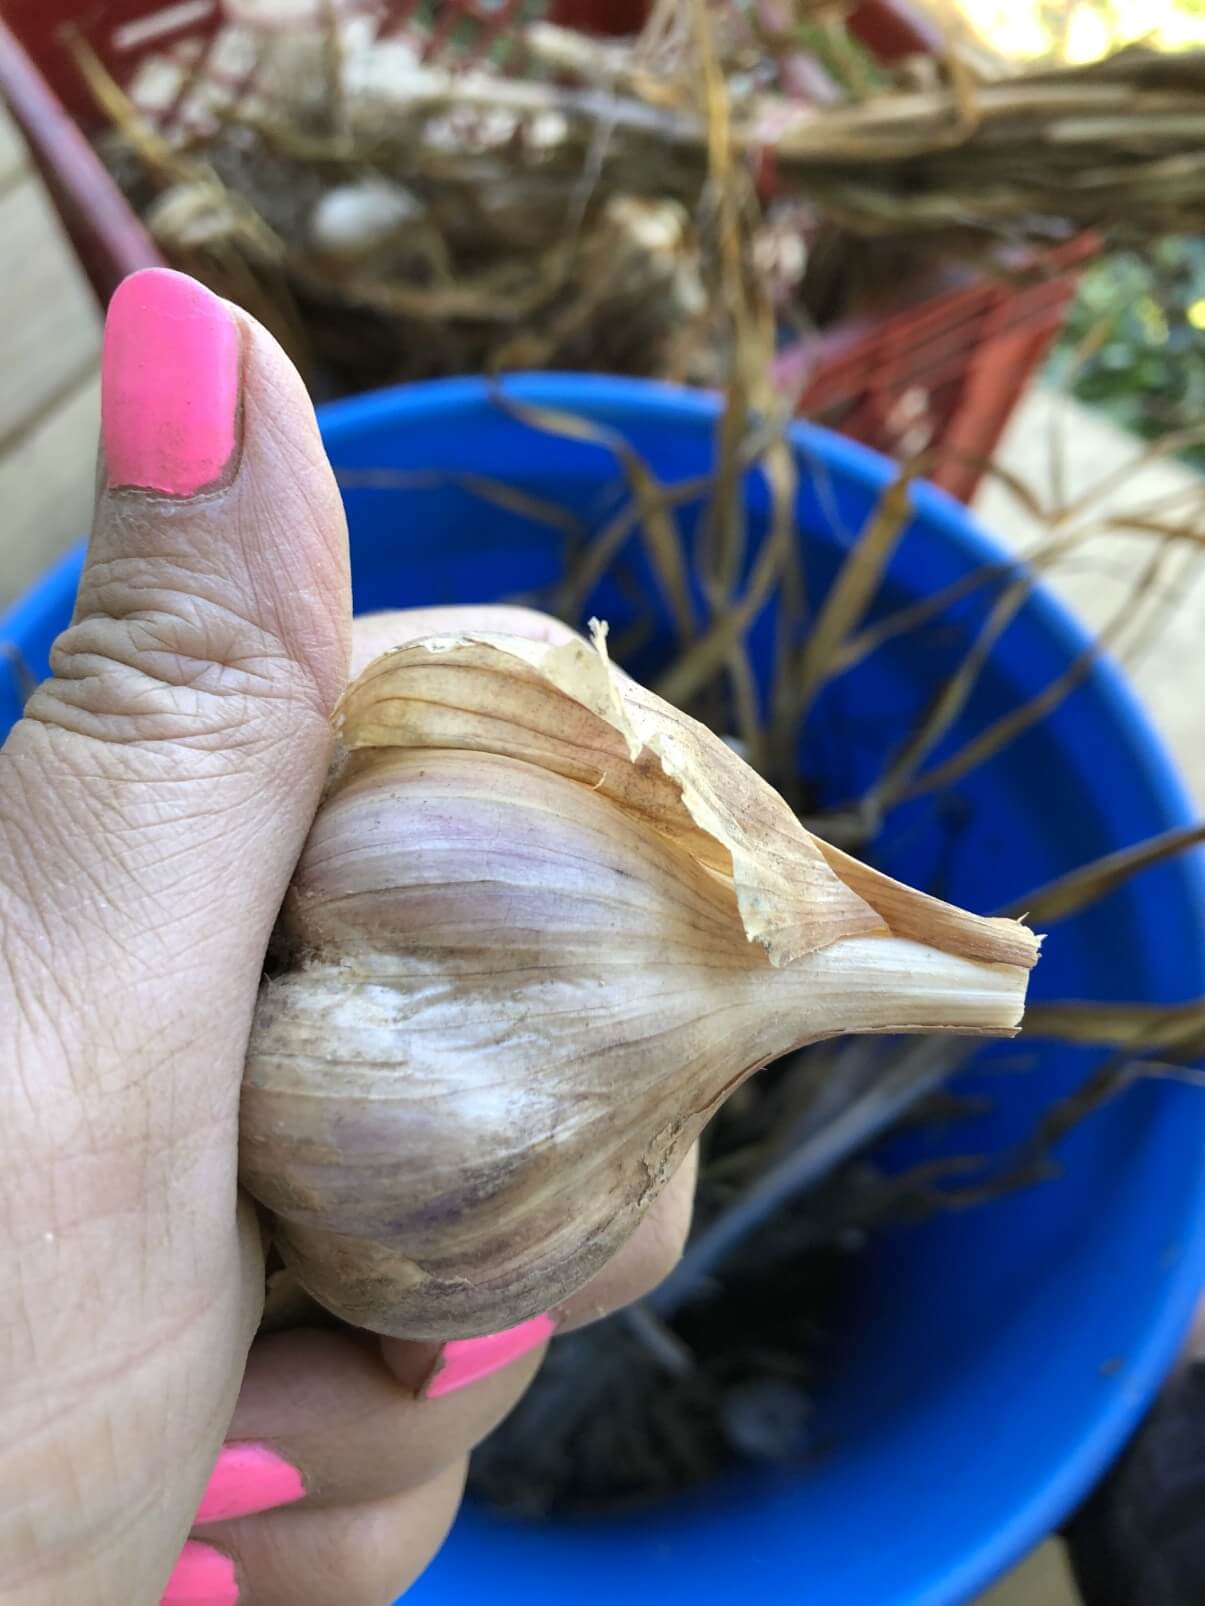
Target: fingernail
x,y
467,1360
169,385
202,1577
248,1478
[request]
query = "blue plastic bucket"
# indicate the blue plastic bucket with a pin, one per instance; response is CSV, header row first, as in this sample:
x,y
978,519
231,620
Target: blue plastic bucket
x,y
993,1361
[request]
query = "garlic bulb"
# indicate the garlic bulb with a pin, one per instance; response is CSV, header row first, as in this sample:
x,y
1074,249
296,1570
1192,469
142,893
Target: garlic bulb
x,y
353,223
543,926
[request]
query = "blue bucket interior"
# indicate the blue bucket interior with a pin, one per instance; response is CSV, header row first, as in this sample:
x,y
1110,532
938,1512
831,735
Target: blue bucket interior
x,y
992,1361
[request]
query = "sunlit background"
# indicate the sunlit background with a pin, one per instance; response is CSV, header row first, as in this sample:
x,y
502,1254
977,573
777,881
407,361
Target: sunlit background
x,y
1080,30
1141,309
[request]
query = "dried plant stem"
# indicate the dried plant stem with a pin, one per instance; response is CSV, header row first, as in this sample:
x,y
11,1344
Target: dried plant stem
x,y
745,703
928,608
596,559
159,155
1078,889
498,493
333,63
699,663
850,594
950,701
660,532
1009,726
1066,145
1170,445
782,475
723,536
1137,1027
1175,591
1032,1161
880,1096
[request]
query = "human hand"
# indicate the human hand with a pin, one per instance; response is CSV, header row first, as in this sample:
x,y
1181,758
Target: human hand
x,y
152,805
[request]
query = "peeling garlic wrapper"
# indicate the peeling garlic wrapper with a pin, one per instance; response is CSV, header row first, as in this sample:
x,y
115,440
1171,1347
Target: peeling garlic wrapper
x,y
543,926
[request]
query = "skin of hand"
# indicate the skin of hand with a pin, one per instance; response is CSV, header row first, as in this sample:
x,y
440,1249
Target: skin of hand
x,y
155,1444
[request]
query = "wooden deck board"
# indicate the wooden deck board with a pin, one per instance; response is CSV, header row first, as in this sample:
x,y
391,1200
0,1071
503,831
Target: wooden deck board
x,y
13,158
46,488
50,331
1164,666
49,345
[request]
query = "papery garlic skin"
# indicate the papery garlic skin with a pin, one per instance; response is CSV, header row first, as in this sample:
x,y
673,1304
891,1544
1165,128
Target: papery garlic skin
x,y
521,985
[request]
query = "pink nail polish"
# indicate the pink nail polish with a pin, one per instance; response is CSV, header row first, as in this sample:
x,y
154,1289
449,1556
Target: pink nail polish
x,y
248,1478
467,1360
169,384
202,1577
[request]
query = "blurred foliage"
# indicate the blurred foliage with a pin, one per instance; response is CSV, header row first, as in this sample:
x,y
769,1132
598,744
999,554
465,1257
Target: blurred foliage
x,y
1134,341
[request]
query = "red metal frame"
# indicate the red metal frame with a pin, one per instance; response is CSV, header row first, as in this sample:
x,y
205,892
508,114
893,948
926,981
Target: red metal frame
x,y
946,373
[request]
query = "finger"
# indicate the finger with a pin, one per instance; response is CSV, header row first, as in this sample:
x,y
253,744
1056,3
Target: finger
x,y
647,1258
333,1418
152,804
375,633
364,1555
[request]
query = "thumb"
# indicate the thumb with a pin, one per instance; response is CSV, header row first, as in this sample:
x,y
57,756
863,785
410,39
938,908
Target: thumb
x,y
152,804
178,751
176,756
